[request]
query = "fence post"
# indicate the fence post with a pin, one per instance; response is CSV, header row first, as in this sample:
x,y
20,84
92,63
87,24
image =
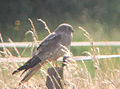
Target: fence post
x,y
55,76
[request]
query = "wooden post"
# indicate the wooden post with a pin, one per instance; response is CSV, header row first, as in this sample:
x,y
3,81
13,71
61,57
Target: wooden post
x,y
55,78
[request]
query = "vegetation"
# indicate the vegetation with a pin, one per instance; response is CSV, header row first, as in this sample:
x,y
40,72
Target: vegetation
x,y
99,17
98,74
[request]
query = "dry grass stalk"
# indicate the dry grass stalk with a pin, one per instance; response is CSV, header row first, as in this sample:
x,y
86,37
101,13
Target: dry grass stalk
x,y
100,76
93,48
15,48
46,26
34,30
34,36
5,51
94,51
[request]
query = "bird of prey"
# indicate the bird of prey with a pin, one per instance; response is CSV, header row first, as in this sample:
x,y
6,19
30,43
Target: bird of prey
x,y
50,49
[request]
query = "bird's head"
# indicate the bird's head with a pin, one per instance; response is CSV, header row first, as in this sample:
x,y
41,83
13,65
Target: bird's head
x,y
66,28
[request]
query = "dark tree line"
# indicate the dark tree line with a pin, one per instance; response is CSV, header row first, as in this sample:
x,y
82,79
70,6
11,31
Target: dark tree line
x,y
53,11
15,9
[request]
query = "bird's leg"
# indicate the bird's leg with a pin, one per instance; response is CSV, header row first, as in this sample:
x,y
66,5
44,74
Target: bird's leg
x,y
56,63
64,60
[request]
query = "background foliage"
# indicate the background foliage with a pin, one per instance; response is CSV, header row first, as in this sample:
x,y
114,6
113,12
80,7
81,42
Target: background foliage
x,y
100,17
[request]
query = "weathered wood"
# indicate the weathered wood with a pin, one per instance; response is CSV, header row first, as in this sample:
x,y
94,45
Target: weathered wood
x,y
55,78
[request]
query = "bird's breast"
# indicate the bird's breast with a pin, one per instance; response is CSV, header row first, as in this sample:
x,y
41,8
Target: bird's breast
x,y
66,40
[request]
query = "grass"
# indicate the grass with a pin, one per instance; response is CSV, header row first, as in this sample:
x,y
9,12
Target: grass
x,y
110,72
92,74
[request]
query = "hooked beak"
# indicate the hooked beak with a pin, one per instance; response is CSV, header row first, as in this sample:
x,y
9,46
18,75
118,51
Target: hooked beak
x,y
72,30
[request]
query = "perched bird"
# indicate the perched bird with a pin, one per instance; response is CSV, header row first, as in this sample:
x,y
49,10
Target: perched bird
x,y
50,49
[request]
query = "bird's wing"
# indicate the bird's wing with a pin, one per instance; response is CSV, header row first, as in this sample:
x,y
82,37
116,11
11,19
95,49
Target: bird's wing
x,y
48,43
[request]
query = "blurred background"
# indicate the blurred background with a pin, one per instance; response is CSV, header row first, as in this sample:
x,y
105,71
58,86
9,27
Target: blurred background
x,y
101,18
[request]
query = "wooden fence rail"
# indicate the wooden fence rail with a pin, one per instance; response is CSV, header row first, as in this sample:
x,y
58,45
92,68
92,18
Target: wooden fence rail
x,y
24,59
30,44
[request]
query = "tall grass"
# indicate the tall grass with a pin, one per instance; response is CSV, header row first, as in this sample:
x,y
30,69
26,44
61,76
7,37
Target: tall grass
x,y
94,74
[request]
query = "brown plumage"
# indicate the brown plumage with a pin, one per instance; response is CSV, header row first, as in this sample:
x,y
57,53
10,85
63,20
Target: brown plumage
x,y
50,49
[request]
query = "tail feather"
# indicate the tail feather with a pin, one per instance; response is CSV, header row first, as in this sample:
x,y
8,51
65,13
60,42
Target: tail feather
x,y
23,72
19,69
30,73
29,64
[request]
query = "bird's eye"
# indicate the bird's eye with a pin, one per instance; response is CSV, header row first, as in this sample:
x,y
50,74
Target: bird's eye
x,y
68,28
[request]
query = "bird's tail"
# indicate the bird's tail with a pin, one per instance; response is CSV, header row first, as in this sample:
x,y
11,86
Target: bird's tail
x,y
19,69
29,64
30,73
